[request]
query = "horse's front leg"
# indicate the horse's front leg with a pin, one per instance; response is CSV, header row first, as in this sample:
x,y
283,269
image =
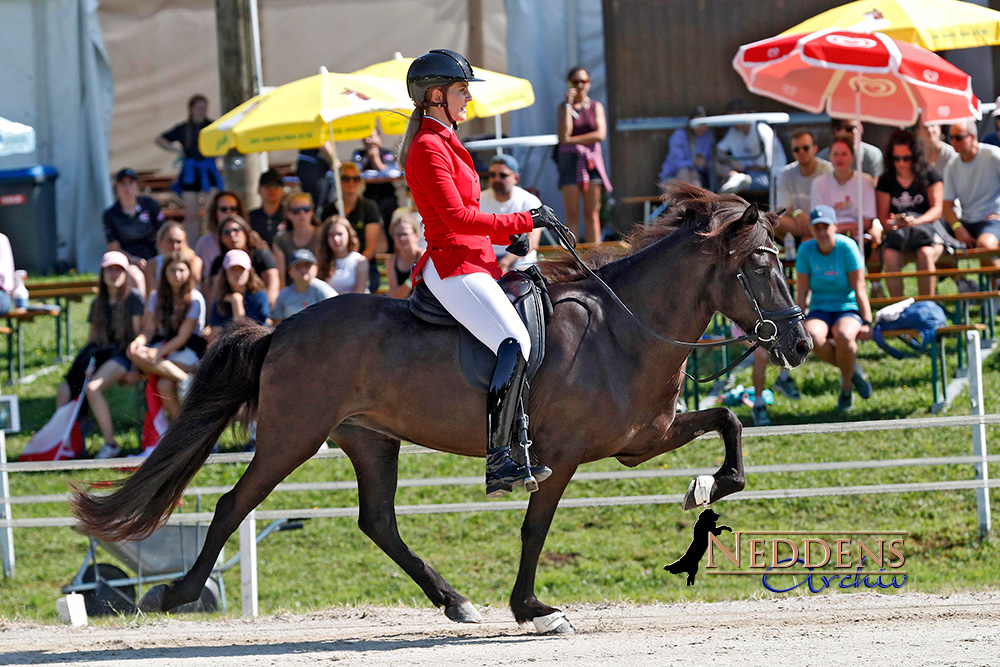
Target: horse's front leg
x,y
704,489
375,458
541,509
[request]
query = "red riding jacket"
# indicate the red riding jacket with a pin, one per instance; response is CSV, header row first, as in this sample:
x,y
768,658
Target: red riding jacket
x,y
446,191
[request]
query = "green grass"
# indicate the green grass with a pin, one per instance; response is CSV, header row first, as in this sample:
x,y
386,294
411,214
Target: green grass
x,y
591,554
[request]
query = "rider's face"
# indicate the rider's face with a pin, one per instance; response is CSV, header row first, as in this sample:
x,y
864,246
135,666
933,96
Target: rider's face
x,y
458,99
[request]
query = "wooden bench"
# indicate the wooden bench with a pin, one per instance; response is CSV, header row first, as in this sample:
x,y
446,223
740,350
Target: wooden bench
x,y
15,319
939,371
63,292
647,205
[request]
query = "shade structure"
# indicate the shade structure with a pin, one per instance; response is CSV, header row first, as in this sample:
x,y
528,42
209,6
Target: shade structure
x,y
849,74
936,25
304,114
16,138
496,94
861,76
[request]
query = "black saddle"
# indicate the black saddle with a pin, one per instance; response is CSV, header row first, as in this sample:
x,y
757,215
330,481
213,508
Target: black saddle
x,y
530,297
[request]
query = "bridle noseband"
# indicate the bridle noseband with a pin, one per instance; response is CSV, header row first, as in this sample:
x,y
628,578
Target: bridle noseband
x,y
789,317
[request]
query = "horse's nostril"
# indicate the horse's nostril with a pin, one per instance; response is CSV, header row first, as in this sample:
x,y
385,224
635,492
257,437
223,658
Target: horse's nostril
x,y
803,348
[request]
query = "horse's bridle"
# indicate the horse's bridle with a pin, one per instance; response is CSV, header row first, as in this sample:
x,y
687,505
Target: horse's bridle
x,y
788,317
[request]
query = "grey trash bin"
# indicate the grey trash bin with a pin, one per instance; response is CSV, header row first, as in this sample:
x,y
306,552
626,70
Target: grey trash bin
x,y
28,216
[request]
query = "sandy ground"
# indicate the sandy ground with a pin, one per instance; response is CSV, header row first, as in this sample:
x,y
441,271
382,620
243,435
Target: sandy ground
x,y
908,629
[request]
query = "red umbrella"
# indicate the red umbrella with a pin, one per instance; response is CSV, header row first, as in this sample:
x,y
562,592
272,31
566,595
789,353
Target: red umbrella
x,y
869,77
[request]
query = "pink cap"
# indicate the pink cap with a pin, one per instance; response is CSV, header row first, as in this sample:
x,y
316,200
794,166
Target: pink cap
x,y
236,257
114,258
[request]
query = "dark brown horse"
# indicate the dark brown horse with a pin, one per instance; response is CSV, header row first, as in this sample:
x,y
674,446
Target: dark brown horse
x,y
361,370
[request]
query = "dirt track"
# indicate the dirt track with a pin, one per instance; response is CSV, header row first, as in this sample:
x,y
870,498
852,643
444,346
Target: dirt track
x,y
909,629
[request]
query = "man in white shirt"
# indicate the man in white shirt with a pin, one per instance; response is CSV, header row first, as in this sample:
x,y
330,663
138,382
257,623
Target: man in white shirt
x,y
974,179
795,185
505,196
748,156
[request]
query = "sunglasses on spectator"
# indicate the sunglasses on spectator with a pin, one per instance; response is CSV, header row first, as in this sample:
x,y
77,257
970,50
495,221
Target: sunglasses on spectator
x,y
902,158
800,149
302,209
579,82
496,174
348,179
959,137
226,209
229,231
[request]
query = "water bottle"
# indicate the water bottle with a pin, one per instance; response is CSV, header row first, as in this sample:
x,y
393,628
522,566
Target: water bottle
x,y
789,246
20,293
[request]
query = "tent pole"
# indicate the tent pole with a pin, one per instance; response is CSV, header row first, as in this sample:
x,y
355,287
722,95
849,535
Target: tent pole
x,y
498,129
858,173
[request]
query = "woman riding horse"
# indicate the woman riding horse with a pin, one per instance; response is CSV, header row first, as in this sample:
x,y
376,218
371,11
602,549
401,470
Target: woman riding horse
x,y
460,267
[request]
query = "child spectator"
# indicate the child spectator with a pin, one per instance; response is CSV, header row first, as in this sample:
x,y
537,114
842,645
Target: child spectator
x,y
235,234
171,237
239,292
224,204
170,343
303,290
115,316
405,237
340,263
830,282
302,234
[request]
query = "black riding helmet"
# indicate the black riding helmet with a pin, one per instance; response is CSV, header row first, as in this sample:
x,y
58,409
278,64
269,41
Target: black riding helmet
x,y
439,67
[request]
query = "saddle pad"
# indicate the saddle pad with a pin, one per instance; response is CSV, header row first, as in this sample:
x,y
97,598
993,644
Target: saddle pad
x,y
478,361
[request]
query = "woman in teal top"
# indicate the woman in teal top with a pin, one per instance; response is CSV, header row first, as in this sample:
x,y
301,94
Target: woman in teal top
x,y
830,287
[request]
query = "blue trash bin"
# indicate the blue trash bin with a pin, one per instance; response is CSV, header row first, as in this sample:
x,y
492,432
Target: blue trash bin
x,y
28,216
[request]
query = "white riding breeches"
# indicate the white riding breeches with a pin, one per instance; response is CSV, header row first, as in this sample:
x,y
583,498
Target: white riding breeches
x,y
480,305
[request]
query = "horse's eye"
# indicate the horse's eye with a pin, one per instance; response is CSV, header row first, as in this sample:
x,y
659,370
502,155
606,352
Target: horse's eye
x,y
761,271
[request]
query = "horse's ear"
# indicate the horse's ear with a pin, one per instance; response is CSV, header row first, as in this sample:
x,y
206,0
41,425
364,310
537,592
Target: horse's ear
x,y
751,215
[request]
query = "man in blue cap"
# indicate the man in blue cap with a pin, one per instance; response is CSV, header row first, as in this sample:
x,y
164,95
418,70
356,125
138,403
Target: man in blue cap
x,y
505,196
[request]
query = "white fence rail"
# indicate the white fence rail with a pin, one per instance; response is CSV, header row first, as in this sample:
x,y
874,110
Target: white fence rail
x,y
979,460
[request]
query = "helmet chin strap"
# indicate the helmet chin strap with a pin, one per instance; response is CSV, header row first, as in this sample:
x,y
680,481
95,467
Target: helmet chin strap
x,y
444,105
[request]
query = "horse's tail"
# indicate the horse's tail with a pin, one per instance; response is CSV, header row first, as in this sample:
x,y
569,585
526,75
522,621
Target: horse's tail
x,y
227,380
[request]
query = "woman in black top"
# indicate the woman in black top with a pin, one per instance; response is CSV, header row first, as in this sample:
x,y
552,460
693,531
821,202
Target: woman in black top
x,y
198,173
909,204
235,234
364,216
405,237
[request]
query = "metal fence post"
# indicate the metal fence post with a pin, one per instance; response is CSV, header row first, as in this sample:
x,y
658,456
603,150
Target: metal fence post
x,y
6,534
981,471
248,565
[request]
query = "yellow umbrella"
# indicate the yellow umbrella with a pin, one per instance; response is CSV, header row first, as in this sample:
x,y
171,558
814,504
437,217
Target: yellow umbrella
x,y
304,114
495,94
936,25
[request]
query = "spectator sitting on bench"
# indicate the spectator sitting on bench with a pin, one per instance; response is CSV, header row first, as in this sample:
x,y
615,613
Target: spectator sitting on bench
x,y
852,131
690,153
839,191
303,290
235,234
239,294
746,154
405,234
115,316
504,195
973,178
170,343
225,203
794,192
6,275
830,283
908,200
130,225
172,236
269,219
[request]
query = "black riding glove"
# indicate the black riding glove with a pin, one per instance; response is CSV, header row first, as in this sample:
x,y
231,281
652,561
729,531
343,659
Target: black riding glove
x,y
519,245
545,217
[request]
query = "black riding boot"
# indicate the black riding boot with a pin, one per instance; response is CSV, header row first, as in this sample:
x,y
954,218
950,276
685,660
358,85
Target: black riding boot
x,y
503,398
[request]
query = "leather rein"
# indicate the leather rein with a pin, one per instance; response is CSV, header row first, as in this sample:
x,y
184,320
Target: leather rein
x,y
760,334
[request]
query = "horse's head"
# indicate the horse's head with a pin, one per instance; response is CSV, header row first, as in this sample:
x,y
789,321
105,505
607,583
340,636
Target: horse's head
x,y
753,291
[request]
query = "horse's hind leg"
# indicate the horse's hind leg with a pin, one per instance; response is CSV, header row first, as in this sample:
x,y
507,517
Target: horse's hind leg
x,y
728,479
375,458
275,459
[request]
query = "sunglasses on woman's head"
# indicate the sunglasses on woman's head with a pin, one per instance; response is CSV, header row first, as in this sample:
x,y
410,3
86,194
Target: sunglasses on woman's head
x,y
302,209
221,208
349,179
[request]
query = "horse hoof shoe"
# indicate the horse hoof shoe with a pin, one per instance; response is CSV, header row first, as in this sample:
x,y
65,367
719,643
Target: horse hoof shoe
x,y
555,623
699,492
152,601
463,613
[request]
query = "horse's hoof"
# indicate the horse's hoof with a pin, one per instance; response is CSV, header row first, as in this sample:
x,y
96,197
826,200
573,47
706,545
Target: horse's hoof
x,y
699,492
152,601
463,613
555,623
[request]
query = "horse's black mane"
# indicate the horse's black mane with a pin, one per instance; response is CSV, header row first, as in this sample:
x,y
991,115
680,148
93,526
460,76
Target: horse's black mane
x,y
709,215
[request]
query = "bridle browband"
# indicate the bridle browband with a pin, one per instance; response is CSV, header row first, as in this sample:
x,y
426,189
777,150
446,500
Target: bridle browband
x,y
765,318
